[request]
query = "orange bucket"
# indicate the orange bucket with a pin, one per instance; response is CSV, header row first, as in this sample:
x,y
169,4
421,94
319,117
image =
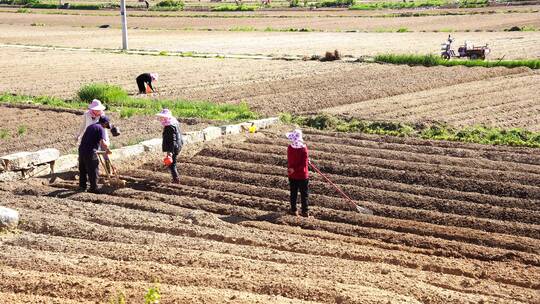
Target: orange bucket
x,y
167,161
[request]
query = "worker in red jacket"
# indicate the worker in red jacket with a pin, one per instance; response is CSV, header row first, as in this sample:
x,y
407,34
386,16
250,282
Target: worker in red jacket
x,y
297,158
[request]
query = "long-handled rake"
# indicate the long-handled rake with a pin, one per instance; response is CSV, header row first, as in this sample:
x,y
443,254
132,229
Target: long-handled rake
x,y
112,177
347,198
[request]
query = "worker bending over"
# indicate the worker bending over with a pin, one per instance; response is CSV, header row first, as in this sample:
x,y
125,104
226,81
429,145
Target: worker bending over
x,y
172,141
146,79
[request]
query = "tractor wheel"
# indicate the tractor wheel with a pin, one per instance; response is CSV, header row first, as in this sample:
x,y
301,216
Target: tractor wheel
x,y
474,56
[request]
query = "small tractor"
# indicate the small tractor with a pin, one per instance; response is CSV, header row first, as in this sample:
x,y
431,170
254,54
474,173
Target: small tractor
x,y
467,50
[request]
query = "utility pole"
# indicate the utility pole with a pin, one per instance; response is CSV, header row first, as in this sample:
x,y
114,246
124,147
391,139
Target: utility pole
x,y
124,24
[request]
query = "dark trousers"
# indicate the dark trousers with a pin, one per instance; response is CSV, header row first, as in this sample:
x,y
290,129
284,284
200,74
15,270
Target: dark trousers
x,y
302,185
172,167
88,170
141,85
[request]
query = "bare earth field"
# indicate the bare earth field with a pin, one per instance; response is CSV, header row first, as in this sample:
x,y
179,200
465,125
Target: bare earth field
x,y
273,87
506,101
58,129
291,13
457,95
511,45
495,22
452,223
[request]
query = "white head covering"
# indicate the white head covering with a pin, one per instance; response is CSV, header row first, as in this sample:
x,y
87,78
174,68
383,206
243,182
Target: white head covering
x,y
169,118
154,76
96,105
296,138
165,113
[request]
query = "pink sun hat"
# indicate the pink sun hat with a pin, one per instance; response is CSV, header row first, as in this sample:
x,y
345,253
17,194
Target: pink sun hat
x,y
165,113
96,105
154,76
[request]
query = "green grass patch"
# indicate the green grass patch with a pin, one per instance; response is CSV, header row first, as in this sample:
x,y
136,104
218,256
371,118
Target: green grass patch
x,y
169,5
472,3
474,134
105,92
397,5
4,133
234,8
117,100
21,130
433,60
419,4
86,6
243,29
335,3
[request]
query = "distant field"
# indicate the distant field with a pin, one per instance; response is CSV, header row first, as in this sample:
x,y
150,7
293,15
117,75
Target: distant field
x,y
302,20
511,45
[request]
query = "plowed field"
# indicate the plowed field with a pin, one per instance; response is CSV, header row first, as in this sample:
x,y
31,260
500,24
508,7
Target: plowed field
x,y
269,87
506,101
452,223
47,128
305,20
511,45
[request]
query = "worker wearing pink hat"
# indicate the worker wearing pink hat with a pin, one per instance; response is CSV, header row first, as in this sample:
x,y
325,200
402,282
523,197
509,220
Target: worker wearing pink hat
x,y
95,110
146,79
297,163
172,141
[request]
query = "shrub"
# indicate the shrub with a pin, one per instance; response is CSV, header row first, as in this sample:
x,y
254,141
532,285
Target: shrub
x,y
294,3
109,94
171,3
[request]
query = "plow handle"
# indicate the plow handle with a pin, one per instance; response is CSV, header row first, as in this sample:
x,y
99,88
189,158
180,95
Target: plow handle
x,y
334,185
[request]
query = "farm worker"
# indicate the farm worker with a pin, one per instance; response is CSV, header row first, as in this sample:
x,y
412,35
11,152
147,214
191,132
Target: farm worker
x,y
92,139
91,116
297,159
144,79
172,141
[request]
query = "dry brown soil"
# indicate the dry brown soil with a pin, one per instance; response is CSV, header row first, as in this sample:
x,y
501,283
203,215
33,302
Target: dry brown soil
x,y
58,129
495,22
505,101
452,223
511,45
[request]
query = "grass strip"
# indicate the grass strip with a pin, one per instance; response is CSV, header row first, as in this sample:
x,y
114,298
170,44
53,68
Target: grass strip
x,y
419,4
234,8
433,60
437,131
130,106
